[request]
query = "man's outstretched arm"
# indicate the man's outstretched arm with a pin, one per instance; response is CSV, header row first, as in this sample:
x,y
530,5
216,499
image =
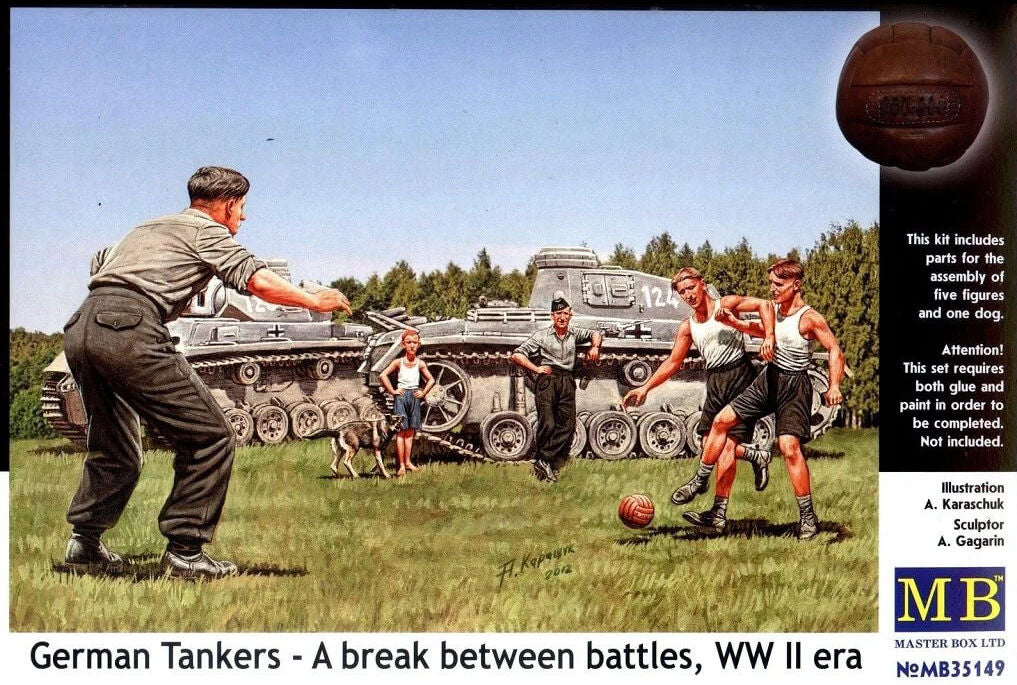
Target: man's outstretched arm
x,y
272,287
741,303
671,365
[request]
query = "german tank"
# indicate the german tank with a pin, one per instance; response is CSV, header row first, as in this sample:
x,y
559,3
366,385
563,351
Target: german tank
x,y
482,404
278,372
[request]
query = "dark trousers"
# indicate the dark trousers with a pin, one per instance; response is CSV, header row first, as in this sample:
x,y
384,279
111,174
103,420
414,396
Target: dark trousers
x,y
556,416
124,363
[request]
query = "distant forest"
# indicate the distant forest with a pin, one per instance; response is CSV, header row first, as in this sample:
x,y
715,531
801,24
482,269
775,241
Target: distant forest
x,y
841,281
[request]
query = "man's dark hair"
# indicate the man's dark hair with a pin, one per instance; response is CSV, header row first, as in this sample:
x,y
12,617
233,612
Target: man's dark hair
x,y
211,183
787,268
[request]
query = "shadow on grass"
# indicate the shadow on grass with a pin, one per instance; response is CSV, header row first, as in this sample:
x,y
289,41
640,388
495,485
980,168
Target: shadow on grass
x,y
146,567
811,453
746,528
58,450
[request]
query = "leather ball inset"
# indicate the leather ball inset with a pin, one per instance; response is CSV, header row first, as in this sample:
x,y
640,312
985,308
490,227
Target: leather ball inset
x,y
912,96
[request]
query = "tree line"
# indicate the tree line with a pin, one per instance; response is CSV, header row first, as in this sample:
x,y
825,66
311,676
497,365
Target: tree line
x,y
841,281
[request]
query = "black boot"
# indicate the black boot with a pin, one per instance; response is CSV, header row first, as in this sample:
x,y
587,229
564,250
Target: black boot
x,y
760,460
688,492
87,554
711,518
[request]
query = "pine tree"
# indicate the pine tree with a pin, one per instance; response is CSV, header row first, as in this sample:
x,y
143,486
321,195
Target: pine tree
x,y
623,256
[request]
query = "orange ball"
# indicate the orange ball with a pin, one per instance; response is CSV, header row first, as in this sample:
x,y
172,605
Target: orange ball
x,y
636,511
912,96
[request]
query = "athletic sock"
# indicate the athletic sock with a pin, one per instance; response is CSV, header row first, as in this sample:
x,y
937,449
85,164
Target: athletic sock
x,y
720,506
805,505
86,534
705,471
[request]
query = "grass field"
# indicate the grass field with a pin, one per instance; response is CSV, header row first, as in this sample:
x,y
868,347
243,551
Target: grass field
x,y
428,552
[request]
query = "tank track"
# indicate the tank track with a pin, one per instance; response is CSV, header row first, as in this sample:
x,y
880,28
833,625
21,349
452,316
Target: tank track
x,y
294,359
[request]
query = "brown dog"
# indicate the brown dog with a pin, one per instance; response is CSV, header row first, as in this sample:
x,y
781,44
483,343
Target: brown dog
x,y
348,438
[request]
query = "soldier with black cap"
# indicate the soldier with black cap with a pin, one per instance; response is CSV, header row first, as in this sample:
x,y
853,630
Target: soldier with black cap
x,y
124,362
555,350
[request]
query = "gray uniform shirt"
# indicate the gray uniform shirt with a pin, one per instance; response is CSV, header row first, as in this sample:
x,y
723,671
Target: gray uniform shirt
x,y
559,353
172,258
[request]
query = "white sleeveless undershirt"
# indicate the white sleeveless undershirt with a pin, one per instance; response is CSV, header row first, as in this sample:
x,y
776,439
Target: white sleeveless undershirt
x,y
794,351
717,343
409,375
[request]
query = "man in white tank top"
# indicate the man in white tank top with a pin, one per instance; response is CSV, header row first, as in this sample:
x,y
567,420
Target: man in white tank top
x,y
728,373
783,387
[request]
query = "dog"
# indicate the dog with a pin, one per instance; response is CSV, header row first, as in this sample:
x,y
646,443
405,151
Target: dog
x,y
347,438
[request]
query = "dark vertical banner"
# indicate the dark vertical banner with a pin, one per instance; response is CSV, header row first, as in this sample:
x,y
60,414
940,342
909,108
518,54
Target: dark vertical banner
x,y
949,279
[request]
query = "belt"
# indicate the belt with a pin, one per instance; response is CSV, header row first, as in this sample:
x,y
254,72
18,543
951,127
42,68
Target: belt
x,y
556,371
730,365
126,291
788,372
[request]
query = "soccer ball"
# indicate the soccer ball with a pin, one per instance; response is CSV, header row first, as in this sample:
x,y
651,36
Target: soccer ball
x,y
912,96
636,511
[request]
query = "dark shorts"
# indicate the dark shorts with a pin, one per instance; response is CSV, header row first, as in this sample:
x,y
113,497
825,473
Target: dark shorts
x,y
408,407
788,394
723,385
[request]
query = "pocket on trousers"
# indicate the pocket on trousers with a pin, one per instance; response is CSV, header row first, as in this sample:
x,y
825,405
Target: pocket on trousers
x,y
71,321
118,320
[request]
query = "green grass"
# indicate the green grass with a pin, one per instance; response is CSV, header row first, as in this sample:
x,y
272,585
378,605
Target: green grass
x,y
423,553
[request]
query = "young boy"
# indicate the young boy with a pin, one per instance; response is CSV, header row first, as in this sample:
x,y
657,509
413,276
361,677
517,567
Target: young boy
x,y
408,395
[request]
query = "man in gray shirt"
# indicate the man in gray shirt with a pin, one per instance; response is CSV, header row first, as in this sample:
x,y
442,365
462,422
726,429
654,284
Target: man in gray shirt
x,y
555,350
125,365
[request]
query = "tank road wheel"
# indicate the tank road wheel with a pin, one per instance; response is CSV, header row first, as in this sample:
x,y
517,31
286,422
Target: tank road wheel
x,y
822,416
305,418
765,432
612,434
446,405
579,439
320,370
338,412
242,423
247,373
271,424
661,435
636,372
506,436
693,440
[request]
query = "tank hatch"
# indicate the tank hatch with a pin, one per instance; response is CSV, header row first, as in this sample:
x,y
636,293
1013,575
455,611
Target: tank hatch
x,y
565,257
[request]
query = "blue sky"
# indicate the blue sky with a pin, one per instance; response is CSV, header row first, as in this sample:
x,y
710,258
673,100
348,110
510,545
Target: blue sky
x,y
424,135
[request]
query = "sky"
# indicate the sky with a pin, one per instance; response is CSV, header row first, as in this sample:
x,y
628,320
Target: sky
x,y
371,136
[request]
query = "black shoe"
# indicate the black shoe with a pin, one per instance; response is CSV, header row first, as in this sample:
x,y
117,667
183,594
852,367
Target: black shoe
x,y
544,471
89,555
706,519
760,460
689,491
808,527
196,566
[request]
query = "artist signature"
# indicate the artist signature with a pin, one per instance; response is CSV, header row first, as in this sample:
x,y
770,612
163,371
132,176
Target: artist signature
x,y
532,562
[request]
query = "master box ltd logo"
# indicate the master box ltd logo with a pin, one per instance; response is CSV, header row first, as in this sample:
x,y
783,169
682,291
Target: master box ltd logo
x,y
949,599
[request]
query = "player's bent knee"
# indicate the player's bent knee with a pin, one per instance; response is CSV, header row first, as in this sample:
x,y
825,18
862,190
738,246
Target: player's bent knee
x,y
789,445
726,419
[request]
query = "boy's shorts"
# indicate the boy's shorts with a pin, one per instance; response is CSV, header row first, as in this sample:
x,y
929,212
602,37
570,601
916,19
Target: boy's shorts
x,y
723,384
408,407
786,393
